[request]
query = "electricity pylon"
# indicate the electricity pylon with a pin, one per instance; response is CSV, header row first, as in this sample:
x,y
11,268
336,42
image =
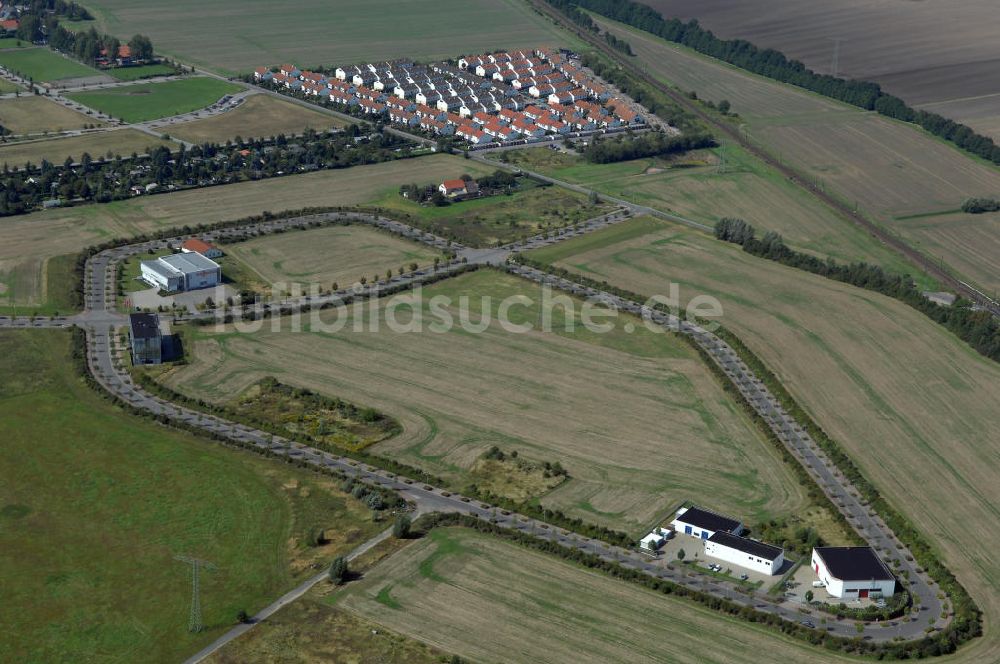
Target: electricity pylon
x,y
194,621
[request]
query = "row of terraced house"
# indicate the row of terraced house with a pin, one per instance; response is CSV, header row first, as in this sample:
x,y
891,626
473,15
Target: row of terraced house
x,y
490,98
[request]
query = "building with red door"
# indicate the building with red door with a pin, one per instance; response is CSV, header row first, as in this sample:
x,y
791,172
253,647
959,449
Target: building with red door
x,y
853,572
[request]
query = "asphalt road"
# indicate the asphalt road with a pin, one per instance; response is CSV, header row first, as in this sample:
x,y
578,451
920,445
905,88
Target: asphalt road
x,y
100,320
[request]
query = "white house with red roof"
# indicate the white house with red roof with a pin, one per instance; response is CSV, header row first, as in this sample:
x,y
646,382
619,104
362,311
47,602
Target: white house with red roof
x,y
199,246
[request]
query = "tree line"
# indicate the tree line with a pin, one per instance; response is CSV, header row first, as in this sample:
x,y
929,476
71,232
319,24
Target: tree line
x,y
40,23
112,177
648,144
977,328
88,46
775,65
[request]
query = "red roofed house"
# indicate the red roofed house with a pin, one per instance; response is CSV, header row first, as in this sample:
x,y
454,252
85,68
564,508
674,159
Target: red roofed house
x,y
10,25
123,57
453,188
196,246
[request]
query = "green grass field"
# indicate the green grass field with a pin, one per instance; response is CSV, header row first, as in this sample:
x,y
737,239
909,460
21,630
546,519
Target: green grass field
x,y
95,504
42,64
914,406
148,101
493,220
635,417
233,38
12,42
493,601
7,86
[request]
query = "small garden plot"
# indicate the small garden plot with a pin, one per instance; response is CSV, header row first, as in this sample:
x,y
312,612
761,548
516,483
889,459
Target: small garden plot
x,y
141,71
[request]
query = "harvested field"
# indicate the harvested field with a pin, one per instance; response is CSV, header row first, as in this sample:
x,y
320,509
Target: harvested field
x,y
967,240
491,600
95,504
896,43
310,630
59,231
634,418
693,187
886,168
42,285
31,115
117,142
259,116
913,405
341,254
140,102
234,38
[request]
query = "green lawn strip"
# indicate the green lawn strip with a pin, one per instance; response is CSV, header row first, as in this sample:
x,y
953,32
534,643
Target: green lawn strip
x,y
140,72
12,42
148,101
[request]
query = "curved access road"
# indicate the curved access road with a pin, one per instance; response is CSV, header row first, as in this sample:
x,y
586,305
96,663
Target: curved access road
x,y
105,361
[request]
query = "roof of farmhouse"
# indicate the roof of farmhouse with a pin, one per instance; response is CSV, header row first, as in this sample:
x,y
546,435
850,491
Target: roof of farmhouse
x,y
749,546
853,563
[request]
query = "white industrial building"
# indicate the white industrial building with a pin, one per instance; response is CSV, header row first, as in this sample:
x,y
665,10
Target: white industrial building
x,y
853,572
702,524
181,272
744,552
654,540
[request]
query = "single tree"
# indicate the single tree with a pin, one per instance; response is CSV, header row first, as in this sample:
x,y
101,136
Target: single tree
x,y
681,554
338,570
401,528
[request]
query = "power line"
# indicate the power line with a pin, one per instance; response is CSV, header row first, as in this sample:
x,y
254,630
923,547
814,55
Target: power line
x,y
194,620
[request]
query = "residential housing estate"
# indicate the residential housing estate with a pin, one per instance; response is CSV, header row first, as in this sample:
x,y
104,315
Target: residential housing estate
x,y
490,98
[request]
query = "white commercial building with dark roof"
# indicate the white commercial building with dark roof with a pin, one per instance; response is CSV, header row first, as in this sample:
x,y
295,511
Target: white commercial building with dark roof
x,y
181,272
745,552
702,524
852,572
